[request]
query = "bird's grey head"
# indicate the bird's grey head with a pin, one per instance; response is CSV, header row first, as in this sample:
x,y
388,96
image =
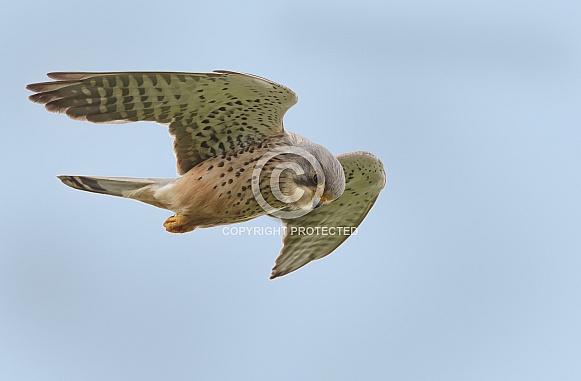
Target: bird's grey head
x,y
319,174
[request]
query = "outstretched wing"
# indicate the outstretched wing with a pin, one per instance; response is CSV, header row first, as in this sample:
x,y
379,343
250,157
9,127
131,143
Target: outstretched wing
x,y
321,231
208,114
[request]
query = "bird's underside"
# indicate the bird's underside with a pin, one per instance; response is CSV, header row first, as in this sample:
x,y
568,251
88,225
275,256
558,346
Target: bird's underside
x,y
222,123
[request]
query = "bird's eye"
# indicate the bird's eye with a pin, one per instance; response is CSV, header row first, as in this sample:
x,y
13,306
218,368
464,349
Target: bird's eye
x,y
317,179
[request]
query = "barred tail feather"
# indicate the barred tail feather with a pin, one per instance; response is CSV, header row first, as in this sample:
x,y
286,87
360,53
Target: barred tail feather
x,y
141,189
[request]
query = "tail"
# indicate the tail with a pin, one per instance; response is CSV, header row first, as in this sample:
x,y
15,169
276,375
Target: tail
x,y
130,187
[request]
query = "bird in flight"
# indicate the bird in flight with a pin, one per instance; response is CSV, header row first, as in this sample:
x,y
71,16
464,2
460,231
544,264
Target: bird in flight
x,y
235,160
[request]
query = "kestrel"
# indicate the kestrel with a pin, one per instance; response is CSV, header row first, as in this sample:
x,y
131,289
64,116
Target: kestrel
x,y
235,160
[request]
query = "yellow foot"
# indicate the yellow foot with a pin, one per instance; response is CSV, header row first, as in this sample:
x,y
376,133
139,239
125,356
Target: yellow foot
x,y
177,224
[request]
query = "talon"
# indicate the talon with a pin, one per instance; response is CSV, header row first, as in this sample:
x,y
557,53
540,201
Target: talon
x,y
177,224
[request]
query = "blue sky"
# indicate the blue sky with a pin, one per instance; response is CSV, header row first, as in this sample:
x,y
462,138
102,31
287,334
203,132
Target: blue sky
x,y
468,267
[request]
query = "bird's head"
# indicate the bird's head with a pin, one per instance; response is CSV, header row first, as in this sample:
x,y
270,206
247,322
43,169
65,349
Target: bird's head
x,y
311,176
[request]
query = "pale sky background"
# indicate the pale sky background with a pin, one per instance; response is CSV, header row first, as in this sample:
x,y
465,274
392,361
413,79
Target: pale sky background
x,y
468,267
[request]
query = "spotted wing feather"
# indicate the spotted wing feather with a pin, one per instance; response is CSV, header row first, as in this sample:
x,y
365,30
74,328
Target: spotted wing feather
x,y
365,178
208,114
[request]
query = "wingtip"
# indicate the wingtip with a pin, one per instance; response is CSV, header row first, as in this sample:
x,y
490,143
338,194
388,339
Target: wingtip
x,y
65,179
274,274
70,75
57,75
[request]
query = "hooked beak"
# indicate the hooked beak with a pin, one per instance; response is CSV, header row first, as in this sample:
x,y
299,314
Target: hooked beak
x,y
322,201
